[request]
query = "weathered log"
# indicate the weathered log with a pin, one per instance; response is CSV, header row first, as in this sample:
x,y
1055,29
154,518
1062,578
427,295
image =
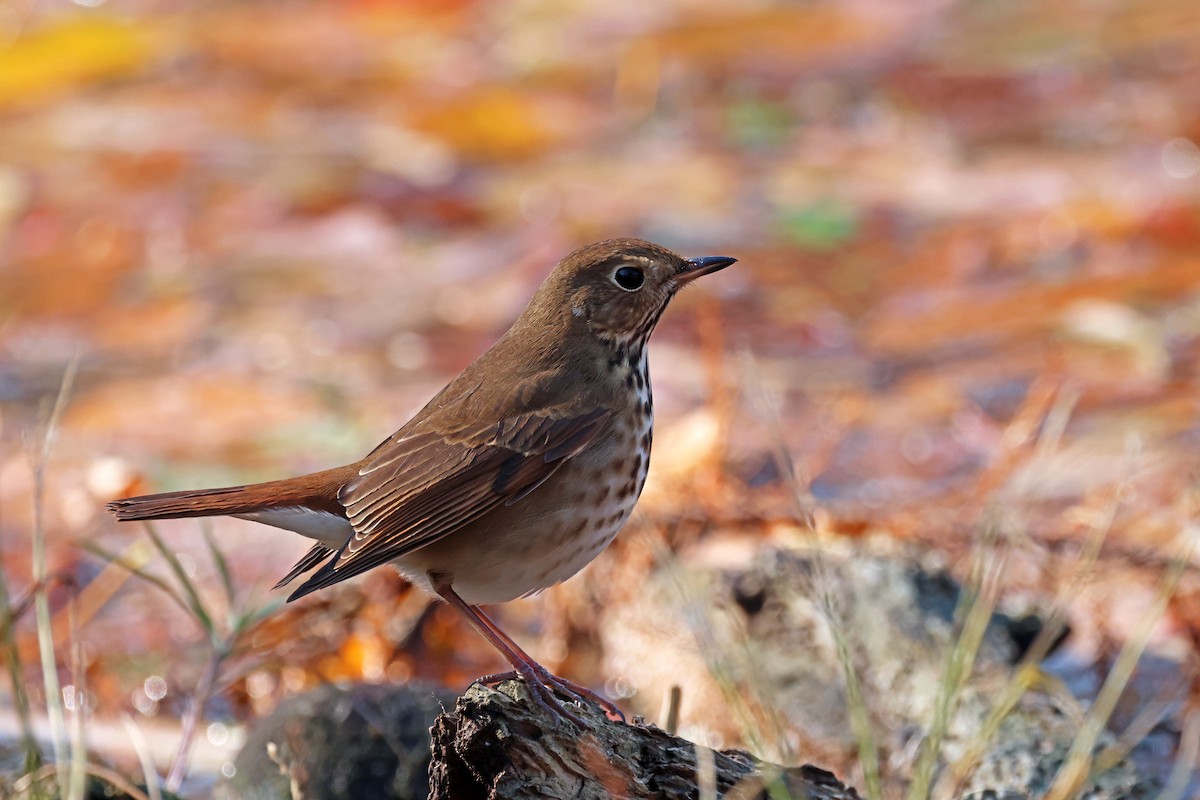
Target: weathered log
x,y
498,745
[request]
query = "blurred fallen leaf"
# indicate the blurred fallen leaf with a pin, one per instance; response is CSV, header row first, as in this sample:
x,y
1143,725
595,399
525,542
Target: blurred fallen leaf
x,y
800,35
498,123
1023,311
73,52
1120,326
203,414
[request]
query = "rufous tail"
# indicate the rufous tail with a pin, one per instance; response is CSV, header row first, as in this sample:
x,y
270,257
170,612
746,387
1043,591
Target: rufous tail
x,y
318,492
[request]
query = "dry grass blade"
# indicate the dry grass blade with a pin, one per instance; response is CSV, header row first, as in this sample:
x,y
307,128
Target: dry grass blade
x,y
192,717
717,658
805,502
221,563
1026,675
671,715
976,606
1056,420
1143,724
28,784
45,631
1185,759
706,774
145,758
12,658
860,716
192,595
133,569
78,707
1080,761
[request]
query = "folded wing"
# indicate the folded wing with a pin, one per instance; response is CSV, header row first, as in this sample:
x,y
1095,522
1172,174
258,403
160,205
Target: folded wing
x,y
422,485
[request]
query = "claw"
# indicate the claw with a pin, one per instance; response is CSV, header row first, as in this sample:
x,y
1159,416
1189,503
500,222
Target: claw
x,y
540,682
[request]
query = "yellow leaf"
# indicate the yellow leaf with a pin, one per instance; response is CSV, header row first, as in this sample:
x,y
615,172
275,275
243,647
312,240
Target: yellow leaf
x,y
69,53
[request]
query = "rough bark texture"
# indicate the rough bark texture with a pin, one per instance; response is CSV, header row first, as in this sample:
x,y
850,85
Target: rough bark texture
x,y
497,745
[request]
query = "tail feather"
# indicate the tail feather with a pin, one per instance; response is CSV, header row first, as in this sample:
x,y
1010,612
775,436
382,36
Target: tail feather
x,y
190,503
307,505
317,491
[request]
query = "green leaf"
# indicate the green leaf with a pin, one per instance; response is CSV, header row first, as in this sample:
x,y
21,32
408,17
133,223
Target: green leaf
x,y
823,225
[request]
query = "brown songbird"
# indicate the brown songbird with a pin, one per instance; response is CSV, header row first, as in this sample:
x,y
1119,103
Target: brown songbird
x,y
513,477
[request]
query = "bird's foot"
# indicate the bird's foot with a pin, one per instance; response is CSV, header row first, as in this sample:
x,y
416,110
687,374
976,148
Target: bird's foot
x,y
539,691
543,682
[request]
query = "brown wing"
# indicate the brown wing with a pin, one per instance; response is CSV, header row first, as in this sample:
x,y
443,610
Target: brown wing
x,y
311,559
420,486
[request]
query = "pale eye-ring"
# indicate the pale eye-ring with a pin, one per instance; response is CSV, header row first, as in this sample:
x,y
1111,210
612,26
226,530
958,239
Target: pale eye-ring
x,y
629,278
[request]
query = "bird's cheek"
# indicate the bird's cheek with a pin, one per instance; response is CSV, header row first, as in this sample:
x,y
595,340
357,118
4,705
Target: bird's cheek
x,y
626,317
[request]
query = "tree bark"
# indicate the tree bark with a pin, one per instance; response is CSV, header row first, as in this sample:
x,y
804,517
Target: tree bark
x,y
498,745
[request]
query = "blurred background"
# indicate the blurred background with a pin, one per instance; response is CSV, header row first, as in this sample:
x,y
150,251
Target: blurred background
x,y
267,232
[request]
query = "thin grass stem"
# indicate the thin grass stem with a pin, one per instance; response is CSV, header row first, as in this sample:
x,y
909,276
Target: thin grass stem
x,y
12,659
976,606
1027,674
145,758
706,774
78,739
1185,759
1143,724
25,787
45,631
222,565
715,661
191,593
223,646
1078,766
860,717
136,569
191,722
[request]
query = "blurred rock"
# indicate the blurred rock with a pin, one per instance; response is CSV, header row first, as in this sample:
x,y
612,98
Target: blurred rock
x,y
756,638
362,741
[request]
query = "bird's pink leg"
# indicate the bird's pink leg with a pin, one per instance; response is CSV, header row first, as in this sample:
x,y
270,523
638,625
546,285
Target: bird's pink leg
x,y
568,687
537,678
525,666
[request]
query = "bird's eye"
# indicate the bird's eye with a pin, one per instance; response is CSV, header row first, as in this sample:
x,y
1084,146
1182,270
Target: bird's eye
x,y
629,278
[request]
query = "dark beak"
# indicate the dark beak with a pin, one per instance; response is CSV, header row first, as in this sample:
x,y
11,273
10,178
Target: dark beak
x,y
703,265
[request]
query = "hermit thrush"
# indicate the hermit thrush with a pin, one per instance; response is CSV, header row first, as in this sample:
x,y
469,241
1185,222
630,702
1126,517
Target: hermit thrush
x,y
514,477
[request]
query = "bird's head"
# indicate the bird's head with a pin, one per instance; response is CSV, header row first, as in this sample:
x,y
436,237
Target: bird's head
x,y
618,288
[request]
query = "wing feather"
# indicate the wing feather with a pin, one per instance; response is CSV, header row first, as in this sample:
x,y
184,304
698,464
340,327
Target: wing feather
x,y
311,559
420,486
